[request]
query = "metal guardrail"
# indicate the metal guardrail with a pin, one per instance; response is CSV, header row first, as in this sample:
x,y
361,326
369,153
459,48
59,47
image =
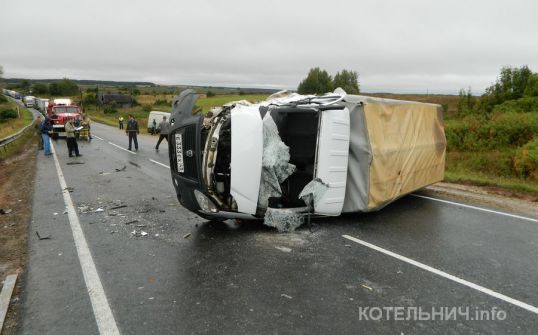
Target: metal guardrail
x,y
8,139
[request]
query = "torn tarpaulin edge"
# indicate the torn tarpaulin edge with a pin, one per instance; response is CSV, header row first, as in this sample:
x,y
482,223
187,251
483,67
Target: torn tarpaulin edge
x,y
276,165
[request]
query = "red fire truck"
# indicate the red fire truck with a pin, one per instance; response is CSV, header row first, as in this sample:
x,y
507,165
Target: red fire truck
x,y
60,111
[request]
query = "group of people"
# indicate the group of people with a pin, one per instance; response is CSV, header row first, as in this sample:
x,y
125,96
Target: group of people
x,y
132,131
72,127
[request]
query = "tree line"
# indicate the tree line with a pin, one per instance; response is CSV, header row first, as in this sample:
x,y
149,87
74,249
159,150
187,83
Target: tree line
x,y
513,84
318,81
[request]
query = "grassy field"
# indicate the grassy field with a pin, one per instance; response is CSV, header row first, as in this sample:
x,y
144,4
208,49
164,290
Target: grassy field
x,y
11,126
149,100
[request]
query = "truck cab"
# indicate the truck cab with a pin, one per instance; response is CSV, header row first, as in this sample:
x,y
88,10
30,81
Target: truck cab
x,y
244,160
59,114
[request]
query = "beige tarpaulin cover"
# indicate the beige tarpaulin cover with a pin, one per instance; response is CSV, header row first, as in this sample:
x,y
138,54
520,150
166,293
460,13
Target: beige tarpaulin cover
x,y
396,147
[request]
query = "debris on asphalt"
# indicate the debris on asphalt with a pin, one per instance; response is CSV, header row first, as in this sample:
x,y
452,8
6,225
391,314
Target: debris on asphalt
x,y
42,237
284,249
283,219
74,163
122,169
134,221
133,163
69,189
55,213
104,173
368,287
65,212
139,233
83,209
286,296
5,211
98,210
187,235
118,207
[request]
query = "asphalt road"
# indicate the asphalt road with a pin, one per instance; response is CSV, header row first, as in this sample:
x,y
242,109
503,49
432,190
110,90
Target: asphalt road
x,y
249,279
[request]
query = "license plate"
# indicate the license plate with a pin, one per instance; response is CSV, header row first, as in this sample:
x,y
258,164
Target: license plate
x,y
179,153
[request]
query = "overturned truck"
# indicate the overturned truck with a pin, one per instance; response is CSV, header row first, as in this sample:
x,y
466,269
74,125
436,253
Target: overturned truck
x,y
294,155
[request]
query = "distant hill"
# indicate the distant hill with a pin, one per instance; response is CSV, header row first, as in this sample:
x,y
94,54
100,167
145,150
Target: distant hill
x,y
84,82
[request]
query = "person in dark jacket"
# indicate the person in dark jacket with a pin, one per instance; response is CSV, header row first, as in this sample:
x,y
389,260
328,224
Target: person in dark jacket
x,y
132,131
45,127
164,126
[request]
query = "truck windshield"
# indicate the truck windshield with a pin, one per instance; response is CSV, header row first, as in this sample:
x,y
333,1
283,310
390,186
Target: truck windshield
x,y
60,110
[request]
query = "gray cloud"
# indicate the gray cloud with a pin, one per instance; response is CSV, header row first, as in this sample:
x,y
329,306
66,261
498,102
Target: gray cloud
x,y
403,46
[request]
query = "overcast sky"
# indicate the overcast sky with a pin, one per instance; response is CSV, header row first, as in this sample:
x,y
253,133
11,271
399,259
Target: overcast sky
x,y
397,46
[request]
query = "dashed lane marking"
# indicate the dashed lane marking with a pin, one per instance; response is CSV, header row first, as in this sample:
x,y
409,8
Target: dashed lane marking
x,y
122,148
458,280
477,208
159,163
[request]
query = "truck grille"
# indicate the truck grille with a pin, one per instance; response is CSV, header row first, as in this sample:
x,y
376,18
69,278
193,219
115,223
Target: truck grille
x,y
189,152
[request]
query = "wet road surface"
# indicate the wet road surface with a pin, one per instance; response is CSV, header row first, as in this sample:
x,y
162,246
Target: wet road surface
x,y
249,279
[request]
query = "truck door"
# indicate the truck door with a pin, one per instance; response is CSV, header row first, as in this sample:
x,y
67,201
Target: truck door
x,y
332,158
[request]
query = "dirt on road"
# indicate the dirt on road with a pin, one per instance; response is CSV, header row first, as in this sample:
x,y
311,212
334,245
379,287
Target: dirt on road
x,y
16,190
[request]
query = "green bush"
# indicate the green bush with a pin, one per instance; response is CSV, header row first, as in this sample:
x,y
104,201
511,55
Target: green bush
x,y
476,133
209,94
7,114
3,99
111,108
523,105
525,161
147,108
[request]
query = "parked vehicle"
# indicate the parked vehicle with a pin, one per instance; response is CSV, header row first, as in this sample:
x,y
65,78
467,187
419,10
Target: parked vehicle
x,y
60,114
158,117
28,101
41,105
294,155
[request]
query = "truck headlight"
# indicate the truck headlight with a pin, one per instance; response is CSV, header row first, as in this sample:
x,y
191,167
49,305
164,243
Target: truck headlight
x,y
204,202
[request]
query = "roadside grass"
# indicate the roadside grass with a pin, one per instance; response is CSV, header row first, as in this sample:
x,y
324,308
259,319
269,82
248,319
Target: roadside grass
x,y
482,179
97,114
16,147
487,168
12,126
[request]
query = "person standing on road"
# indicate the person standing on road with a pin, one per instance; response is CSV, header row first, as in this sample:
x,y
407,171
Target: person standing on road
x,y
44,128
164,126
132,131
39,121
154,127
120,121
71,138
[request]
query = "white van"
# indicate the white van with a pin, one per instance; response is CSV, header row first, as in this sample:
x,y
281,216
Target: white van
x,y
295,155
41,105
28,101
158,117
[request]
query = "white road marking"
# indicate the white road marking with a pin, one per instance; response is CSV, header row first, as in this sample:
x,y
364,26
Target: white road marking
x,y
477,208
482,289
97,137
161,164
101,309
5,297
122,148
